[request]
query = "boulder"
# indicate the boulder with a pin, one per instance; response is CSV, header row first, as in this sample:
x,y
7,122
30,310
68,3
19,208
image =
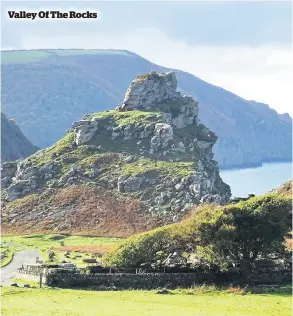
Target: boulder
x,y
163,135
84,130
20,188
133,183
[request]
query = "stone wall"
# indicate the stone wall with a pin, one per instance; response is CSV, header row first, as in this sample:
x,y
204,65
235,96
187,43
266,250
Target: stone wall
x,y
159,280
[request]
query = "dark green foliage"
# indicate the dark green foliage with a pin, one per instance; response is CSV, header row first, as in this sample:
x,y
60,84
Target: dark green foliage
x,y
239,234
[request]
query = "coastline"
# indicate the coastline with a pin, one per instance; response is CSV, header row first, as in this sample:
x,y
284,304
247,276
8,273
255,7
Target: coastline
x,y
254,165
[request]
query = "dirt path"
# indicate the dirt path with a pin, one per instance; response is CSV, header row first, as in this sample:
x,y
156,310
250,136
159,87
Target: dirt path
x,y
20,257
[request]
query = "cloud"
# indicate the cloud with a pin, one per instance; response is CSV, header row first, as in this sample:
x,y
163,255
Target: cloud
x,y
261,73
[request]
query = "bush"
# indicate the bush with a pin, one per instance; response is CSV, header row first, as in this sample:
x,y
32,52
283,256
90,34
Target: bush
x,y
149,249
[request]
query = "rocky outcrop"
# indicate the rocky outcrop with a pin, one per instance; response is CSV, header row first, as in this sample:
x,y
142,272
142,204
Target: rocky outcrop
x,y
84,131
8,170
148,90
14,144
152,149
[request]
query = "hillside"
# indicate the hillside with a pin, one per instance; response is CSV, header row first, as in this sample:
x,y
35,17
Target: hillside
x,y
46,90
14,144
118,172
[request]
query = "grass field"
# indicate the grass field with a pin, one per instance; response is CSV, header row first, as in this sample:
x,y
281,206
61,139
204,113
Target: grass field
x,y
77,245
59,302
28,56
7,253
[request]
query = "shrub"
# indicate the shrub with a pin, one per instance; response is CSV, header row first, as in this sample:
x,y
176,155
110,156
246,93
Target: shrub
x,y
148,249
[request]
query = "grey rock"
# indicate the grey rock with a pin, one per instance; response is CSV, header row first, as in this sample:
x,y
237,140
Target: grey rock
x,y
133,183
150,89
179,186
204,144
5,182
213,198
120,187
20,188
123,177
8,169
84,130
163,135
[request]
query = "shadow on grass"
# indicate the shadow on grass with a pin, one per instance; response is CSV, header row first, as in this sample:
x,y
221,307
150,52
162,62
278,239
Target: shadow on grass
x,y
284,290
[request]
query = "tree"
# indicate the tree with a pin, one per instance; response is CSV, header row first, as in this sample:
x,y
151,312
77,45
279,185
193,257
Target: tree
x,y
239,234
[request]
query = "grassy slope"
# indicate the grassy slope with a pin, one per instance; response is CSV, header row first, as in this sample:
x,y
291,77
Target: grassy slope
x,y
49,302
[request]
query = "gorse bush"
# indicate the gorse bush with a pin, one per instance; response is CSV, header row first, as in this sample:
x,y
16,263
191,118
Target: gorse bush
x,y
216,238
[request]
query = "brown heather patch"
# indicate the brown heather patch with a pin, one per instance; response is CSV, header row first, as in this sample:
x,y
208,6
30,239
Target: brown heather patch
x,y
84,211
236,290
285,188
288,243
107,159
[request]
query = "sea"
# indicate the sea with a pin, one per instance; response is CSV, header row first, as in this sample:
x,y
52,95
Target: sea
x,y
257,180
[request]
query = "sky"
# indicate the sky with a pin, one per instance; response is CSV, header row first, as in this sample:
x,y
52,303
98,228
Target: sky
x,y
244,47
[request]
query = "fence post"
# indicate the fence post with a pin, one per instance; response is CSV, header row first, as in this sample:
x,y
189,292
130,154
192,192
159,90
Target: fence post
x,y
41,279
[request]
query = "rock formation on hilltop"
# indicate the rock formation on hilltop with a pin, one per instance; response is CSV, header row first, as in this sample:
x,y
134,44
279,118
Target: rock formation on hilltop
x,y
148,90
14,144
151,149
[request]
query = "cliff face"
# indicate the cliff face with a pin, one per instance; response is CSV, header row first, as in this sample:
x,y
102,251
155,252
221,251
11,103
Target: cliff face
x,y
14,144
151,149
249,132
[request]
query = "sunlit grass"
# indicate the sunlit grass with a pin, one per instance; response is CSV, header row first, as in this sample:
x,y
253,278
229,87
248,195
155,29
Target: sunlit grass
x,y
57,302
